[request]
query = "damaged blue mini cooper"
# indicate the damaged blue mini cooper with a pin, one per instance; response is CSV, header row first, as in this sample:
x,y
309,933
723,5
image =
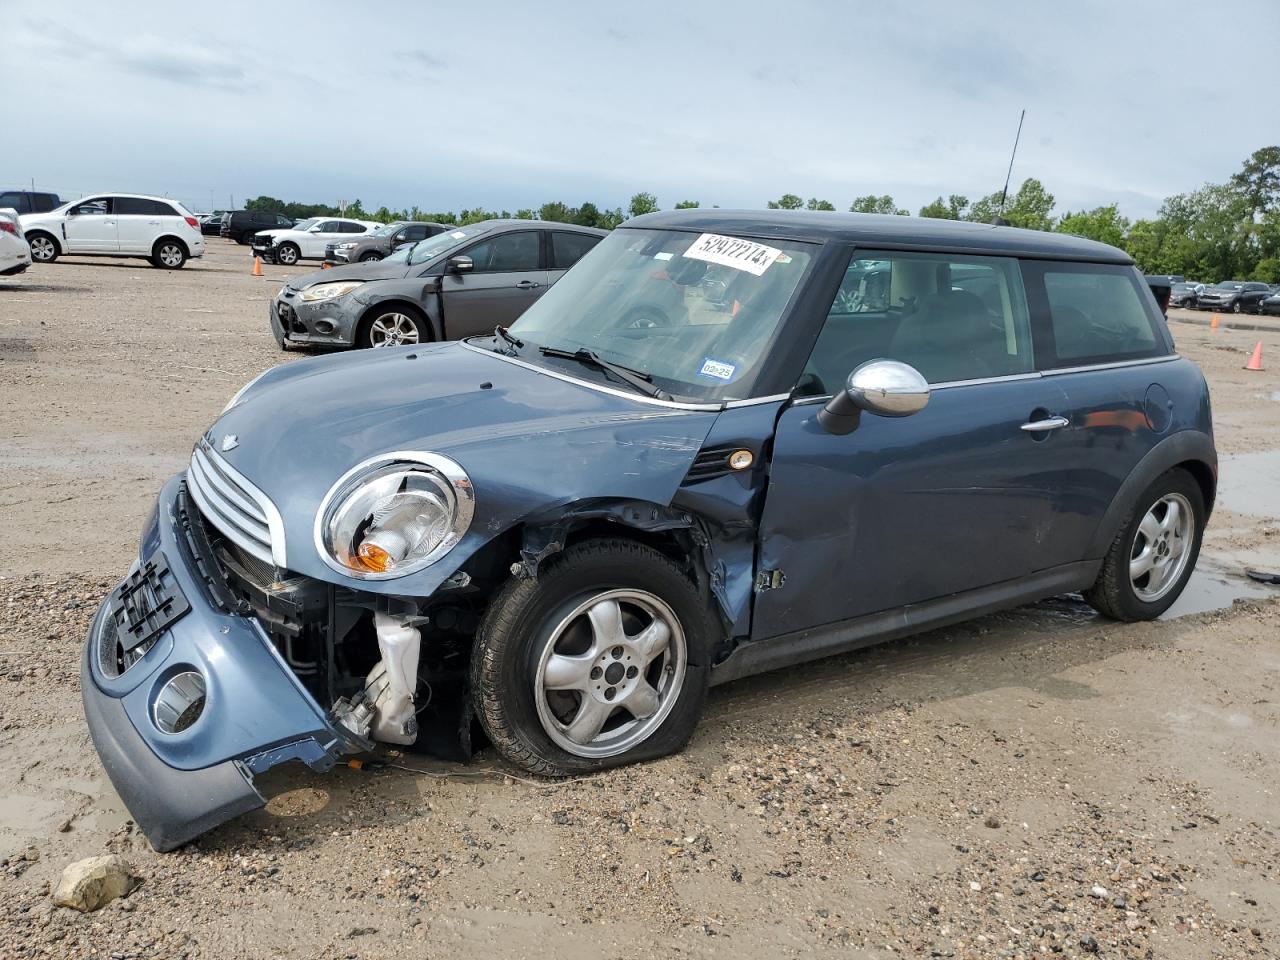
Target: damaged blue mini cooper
x,y
723,443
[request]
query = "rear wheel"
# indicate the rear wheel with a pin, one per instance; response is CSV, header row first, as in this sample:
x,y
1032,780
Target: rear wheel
x,y
601,660
44,249
288,254
168,254
370,257
1151,558
394,326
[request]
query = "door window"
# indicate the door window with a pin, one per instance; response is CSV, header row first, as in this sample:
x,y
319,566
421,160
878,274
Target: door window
x,y
328,226
568,248
414,232
140,207
99,206
346,226
951,317
1097,313
507,253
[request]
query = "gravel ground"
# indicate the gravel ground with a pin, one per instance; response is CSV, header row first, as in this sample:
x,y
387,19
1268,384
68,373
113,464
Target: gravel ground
x,y
1036,783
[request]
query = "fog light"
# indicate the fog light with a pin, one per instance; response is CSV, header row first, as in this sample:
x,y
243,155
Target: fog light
x,y
741,459
324,326
180,702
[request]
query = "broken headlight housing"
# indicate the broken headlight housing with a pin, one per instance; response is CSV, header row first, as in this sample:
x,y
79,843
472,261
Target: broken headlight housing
x,y
329,291
394,514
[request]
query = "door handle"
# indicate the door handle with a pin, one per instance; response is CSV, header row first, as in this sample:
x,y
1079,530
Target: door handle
x,y
528,285
1049,423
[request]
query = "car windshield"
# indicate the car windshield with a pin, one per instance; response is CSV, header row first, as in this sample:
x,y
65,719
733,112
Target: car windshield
x,y
385,230
306,223
697,313
432,247
1181,287
1228,285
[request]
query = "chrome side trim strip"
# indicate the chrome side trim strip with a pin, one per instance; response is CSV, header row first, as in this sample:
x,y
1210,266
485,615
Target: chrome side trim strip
x,y
756,401
557,375
1088,368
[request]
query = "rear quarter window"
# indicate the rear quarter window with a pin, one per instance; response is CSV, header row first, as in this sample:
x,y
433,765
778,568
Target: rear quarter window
x,y
1092,314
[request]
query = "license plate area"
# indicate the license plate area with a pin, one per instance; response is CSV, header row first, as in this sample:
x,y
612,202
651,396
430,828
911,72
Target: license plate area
x,y
148,602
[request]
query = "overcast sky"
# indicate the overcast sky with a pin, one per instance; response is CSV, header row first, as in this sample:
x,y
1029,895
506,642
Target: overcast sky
x,y
510,104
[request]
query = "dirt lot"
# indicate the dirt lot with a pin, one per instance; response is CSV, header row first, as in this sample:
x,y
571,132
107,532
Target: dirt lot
x,y
1035,783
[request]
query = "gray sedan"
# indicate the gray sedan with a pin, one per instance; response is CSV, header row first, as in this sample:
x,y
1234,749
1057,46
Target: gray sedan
x,y
453,285
381,242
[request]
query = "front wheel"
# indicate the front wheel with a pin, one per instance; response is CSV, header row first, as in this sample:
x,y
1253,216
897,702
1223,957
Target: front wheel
x,y
1235,307
287,254
601,660
44,249
394,327
1151,558
371,258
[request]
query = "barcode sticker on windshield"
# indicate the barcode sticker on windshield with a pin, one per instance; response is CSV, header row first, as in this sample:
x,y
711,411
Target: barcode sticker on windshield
x,y
754,258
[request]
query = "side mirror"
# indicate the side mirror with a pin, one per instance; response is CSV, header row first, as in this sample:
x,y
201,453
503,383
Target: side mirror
x,y
460,265
885,388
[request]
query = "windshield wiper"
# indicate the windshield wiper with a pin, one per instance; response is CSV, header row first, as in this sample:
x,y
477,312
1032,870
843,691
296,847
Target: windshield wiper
x,y
640,381
502,333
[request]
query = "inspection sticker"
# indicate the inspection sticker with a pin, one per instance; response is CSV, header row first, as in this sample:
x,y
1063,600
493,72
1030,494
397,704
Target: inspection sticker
x,y
754,258
717,369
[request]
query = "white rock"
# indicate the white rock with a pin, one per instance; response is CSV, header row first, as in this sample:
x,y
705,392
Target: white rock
x,y
87,885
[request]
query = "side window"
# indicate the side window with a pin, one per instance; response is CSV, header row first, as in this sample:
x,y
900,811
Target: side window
x,y
96,206
131,207
18,201
414,232
1097,313
283,221
158,208
568,248
952,317
508,253
347,226
327,226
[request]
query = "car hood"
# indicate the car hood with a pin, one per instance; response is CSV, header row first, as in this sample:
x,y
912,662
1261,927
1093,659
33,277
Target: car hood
x,y
530,441
378,270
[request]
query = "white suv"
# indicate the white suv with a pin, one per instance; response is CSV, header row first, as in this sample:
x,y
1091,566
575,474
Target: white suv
x,y
116,225
15,255
307,240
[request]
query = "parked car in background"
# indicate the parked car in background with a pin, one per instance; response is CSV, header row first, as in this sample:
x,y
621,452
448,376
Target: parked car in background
x,y
211,225
1237,296
15,252
378,243
308,239
1270,304
29,201
117,225
456,284
1185,295
241,225
569,530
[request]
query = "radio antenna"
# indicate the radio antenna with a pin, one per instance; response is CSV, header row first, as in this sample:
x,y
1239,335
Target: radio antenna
x,y
1004,194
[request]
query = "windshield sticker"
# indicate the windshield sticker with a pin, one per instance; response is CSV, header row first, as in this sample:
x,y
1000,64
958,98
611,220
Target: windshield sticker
x,y
458,235
663,255
717,369
747,255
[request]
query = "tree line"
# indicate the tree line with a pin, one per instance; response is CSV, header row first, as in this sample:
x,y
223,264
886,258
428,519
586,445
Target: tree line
x,y
1221,231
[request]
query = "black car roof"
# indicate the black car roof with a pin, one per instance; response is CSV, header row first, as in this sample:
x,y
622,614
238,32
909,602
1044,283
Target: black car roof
x,y
885,232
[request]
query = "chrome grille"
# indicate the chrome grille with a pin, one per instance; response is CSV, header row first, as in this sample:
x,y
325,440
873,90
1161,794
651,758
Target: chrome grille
x,y
239,510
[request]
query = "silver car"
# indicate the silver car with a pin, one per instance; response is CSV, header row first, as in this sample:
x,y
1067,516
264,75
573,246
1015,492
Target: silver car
x,y
453,285
381,242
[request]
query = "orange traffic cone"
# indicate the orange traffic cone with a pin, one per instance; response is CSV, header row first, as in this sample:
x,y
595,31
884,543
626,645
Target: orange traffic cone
x,y
1255,361
325,266
257,266
1214,322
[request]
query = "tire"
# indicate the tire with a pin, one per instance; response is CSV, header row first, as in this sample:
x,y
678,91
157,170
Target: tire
x,y
168,254
1235,307
244,238
44,248
288,254
393,325
527,627
1122,596
371,258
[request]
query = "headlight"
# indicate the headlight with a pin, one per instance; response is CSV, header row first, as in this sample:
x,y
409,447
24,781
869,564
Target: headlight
x,y
327,291
394,514
345,246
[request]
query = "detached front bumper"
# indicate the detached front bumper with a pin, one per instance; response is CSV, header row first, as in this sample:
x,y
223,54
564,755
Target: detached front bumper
x,y
256,714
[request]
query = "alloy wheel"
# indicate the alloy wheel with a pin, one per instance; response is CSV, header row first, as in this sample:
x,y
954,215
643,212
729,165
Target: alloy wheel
x,y
287,256
1161,547
392,330
610,673
170,254
43,249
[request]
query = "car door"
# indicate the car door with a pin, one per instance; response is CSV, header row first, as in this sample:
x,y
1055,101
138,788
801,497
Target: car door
x,y
900,511
567,249
139,223
507,276
312,242
90,227
1102,340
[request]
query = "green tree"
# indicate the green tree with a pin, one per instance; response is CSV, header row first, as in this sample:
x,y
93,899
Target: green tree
x,y
688,205
1104,224
788,201
609,219
1267,270
873,204
1031,207
815,204
1259,180
952,209
588,215
556,212
526,214
643,203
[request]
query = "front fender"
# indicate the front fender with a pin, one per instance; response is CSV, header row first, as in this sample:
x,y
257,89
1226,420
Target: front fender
x,y
413,291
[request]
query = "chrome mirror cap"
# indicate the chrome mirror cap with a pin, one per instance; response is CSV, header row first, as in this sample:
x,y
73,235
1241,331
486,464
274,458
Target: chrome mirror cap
x,y
888,388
